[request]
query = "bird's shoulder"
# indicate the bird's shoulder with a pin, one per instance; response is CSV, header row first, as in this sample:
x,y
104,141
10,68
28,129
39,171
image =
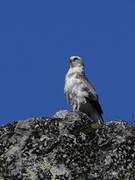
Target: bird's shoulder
x,y
87,84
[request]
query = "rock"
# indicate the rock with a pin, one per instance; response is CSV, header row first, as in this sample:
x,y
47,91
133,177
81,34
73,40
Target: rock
x,y
61,114
68,146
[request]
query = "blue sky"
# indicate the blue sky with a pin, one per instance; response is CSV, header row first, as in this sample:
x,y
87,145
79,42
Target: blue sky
x,y
36,39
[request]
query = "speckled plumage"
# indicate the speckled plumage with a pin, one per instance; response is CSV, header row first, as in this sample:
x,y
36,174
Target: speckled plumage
x,y
79,90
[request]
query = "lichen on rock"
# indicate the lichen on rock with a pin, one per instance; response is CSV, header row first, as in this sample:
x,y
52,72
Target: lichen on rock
x,y
67,146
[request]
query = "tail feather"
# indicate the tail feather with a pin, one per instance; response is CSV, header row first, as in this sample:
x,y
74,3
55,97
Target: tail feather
x,y
91,111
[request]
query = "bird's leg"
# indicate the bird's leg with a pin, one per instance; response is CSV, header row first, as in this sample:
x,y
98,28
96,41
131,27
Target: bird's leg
x,y
75,107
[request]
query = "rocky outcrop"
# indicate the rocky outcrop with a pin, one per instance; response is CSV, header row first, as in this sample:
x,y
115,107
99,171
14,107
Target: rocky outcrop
x,y
68,146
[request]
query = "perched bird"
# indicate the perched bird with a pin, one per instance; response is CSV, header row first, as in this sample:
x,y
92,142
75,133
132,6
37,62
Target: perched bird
x,y
80,92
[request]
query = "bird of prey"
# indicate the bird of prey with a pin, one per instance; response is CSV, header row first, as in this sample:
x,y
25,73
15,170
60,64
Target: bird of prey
x,y
80,92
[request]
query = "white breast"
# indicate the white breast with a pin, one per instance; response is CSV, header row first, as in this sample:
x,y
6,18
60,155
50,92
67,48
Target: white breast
x,y
70,82
74,85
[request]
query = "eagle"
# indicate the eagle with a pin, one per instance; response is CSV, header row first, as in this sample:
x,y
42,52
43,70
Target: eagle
x,y
80,92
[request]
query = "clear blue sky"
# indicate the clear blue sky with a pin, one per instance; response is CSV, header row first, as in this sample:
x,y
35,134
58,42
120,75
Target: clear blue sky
x,y
37,37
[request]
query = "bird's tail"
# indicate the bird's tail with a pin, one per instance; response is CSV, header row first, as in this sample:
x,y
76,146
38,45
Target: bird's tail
x,y
90,111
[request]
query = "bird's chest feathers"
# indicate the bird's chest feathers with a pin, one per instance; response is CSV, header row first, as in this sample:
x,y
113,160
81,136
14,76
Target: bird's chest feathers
x,y
72,81
74,86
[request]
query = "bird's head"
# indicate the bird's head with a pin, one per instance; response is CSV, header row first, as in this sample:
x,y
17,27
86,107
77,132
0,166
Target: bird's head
x,y
76,61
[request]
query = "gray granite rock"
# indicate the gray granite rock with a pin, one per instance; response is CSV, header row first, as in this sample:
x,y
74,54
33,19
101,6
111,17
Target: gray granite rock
x,y
68,146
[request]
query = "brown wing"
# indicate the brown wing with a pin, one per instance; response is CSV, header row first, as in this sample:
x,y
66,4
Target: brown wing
x,y
87,84
95,104
92,98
